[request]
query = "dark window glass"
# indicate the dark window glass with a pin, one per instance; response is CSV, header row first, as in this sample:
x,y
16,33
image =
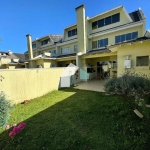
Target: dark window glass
x,y
142,60
108,20
117,39
69,33
94,25
76,31
122,38
45,42
99,43
116,18
128,36
33,45
134,35
100,23
94,44
105,42
73,32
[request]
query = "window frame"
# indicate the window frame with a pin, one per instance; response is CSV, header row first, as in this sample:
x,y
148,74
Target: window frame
x,y
96,44
72,32
98,25
126,37
34,45
76,48
101,42
65,49
44,42
147,64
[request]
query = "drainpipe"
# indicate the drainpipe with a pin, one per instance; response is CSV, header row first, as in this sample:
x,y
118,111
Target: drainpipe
x,y
30,52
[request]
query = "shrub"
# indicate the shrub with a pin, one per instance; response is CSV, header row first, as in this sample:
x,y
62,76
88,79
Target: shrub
x,y
4,110
129,85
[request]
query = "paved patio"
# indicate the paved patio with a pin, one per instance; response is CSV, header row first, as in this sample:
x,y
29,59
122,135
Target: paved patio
x,y
92,85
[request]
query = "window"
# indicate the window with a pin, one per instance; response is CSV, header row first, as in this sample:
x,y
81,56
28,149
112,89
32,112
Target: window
x,y
53,52
134,35
123,38
94,25
102,42
33,45
142,61
94,44
65,50
45,41
116,18
100,23
106,21
72,32
117,39
75,48
126,37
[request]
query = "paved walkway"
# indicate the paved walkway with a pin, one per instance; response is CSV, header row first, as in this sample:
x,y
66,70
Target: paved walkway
x,y
92,85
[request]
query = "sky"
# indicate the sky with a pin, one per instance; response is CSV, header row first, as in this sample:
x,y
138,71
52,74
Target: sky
x,y
42,17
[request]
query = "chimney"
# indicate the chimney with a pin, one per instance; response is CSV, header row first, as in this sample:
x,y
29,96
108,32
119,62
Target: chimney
x,y
80,14
29,43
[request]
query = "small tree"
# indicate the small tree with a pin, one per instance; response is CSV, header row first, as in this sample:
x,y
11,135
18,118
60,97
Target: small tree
x,y
4,109
130,85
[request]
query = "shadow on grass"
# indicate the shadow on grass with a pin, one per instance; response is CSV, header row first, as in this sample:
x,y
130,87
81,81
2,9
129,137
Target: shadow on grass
x,y
86,120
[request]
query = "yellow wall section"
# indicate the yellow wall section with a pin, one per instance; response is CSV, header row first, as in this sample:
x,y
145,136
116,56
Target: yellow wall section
x,y
111,36
134,50
28,84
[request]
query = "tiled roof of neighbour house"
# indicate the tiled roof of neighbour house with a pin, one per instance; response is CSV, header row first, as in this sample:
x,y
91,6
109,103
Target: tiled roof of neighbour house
x,y
55,38
20,56
10,56
137,15
97,51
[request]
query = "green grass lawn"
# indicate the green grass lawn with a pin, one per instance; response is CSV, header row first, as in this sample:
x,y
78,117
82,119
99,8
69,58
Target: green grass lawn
x,y
71,119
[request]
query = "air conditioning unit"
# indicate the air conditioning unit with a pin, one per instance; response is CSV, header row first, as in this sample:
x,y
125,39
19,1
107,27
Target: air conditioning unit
x,y
127,63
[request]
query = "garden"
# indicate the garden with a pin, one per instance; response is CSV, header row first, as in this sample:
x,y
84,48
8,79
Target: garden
x,y
72,119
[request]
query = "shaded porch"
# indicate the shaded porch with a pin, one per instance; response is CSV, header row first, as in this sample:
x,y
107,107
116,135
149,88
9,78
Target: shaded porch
x,y
92,85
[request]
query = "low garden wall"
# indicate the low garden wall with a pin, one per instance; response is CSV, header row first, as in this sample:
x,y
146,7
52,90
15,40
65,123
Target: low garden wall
x,y
26,84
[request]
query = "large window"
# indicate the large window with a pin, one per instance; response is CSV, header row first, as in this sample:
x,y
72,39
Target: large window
x,y
75,48
33,45
142,61
106,21
94,44
102,42
65,50
72,32
126,37
45,41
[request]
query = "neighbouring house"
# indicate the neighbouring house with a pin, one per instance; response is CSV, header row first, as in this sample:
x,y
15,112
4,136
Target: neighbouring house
x,y
111,42
9,60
